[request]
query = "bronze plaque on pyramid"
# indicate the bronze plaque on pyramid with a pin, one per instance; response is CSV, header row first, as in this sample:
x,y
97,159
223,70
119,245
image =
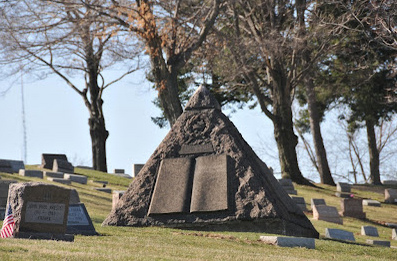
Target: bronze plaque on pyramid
x,y
210,189
173,187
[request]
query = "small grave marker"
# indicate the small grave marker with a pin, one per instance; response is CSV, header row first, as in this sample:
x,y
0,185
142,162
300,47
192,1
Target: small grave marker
x,y
352,207
391,195
119,171
79,222
47,160
136,168
383,243
61,165
52,174
327,213
371,203
343,187
106,190
369,231
41,212
76,178
317,202
339,234
289,241
394,234
288,186
4,186
116,197
300,201
390,182
58,180
31,173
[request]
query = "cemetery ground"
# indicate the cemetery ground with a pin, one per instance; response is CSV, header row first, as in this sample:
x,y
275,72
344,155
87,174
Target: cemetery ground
x,y
156,243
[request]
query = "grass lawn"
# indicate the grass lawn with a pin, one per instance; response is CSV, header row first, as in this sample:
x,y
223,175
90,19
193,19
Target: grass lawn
x,y
154,243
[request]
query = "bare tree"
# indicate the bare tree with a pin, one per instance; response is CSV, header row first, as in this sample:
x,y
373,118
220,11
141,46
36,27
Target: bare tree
x,y
68,39
171,31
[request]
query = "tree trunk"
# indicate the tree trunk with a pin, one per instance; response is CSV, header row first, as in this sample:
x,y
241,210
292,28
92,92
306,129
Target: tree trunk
x,y
99,135
283,127
321,155
373,153
169,98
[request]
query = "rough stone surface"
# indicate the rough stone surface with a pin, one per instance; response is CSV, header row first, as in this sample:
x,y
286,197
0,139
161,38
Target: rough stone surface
x,y
369,231
378,242
76,178
31,173
352,207
289,241
339,234
47,160
61,165
343,187
371,203
202,99
391,195
257,200
39,208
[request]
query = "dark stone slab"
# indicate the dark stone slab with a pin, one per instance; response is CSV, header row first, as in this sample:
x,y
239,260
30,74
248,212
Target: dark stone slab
x,y
52,174
47,160
106,190
300,201
339,234
39,209
76,178
79,222
317,202
11,166
352,207
74,197
172,192
327,213
343,187
389,182
119,171
383,243
2,213
196,149
289,241
286,182
136,168
369,231
343,195
61,165
59,180
391,195
31,173
210,184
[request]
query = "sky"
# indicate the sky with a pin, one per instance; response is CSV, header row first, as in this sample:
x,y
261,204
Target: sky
x,y
57,122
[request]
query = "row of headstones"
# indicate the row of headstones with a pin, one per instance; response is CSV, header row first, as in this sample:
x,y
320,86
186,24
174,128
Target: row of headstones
x,y
47,211
336,234
343,190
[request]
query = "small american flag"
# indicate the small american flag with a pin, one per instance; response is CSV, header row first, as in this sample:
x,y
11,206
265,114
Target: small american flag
x,y
7,230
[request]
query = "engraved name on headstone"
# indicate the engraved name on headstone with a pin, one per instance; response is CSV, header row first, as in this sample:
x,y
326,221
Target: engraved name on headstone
x,y
44,212
79,222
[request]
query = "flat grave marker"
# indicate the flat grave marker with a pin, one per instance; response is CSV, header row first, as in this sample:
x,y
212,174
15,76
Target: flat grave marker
x,y
76,178
339,234
371,203
31,173
300,201
59,180
389,182
52,174
383,243
289,241
288,186
119,171
116,197
369,231
317,202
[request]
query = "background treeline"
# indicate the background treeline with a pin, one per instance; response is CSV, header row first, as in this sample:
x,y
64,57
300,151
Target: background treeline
x,y
296,60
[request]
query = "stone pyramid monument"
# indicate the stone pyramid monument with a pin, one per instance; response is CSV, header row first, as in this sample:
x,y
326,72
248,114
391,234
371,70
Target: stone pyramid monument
x,y
204,175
